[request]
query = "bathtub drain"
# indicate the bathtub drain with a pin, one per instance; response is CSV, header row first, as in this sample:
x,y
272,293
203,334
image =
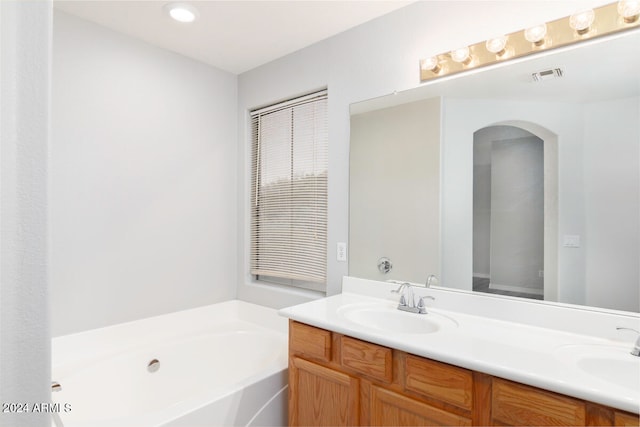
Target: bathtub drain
x,y
153,366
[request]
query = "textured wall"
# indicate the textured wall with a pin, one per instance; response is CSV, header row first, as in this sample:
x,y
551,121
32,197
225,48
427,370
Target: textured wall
x,y
24,135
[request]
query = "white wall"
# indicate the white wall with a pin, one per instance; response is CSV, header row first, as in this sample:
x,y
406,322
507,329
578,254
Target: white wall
x,y
374,59
612,204
25,367
481,219
143,190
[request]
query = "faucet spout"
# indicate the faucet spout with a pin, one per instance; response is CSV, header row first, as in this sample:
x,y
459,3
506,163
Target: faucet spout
x,y
636,347
431,280
407,300
406,295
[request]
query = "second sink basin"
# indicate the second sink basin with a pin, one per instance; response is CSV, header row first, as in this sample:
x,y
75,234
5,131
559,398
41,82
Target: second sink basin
x,y
613,364
387,318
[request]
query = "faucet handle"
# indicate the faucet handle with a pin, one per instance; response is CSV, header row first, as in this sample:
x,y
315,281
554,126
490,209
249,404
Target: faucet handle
x,y
422,308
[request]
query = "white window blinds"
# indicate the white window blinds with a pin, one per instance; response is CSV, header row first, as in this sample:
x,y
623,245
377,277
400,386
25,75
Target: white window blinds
x,y
289,192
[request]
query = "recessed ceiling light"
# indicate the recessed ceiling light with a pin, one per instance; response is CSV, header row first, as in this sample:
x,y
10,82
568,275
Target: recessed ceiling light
x,y
182,12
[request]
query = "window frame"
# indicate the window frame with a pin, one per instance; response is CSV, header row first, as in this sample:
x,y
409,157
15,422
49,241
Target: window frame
x,y
289,104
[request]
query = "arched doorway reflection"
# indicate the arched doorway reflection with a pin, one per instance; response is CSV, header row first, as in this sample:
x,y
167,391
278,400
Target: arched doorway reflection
x,y
509,203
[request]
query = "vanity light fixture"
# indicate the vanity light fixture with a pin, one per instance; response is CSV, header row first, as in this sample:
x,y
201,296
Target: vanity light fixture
x,y
497,45
461,55
581,21
605,20
629,10
536,35
182,12
431,64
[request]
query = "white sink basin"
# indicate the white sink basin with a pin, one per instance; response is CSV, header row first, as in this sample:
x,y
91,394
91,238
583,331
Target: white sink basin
x,y
613,364
387,318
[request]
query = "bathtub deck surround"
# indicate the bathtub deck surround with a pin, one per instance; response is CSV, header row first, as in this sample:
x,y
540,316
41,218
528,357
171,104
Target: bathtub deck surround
x,y
493,355
196,367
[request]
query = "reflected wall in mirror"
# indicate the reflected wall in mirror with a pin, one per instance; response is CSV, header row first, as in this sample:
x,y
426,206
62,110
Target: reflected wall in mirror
x,y
589,122
394,181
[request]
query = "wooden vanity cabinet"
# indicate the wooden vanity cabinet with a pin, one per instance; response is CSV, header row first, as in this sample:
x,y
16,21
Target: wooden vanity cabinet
x,y
336,380
314,388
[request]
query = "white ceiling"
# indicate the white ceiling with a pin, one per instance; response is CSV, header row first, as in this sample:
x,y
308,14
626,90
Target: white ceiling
x,y
236,35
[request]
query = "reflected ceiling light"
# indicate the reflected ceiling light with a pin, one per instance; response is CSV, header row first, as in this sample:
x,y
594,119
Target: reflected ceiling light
x,y
581,21
536,34
497,45
431,64
461,55
629,10
182,12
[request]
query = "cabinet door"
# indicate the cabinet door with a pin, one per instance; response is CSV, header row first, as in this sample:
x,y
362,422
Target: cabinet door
x,y
625,419
392,409
517,404
320,396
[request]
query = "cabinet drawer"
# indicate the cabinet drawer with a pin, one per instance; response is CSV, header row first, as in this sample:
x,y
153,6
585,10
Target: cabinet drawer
x,y
369,359
310,341
626,420
441,381
392,409
516,404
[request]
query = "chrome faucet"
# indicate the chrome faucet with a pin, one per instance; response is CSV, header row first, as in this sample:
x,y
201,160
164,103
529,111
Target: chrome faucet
x,y
636,347
408,301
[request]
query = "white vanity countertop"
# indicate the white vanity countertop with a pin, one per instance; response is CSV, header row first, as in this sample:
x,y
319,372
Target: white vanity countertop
x,y
515,351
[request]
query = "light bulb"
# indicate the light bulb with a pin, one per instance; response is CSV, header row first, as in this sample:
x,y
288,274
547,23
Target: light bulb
x,y
431,64
461,55
182,12
581,21
629,10
536,34
497,45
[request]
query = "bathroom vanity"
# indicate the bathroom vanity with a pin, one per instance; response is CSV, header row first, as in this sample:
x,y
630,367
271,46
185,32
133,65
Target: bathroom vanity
x,y
351,363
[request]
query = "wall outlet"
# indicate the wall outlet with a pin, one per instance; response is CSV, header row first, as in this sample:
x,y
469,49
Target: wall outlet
x,y
341,251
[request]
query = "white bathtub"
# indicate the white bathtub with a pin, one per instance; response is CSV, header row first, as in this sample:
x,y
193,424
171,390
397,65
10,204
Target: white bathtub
x,y
224,364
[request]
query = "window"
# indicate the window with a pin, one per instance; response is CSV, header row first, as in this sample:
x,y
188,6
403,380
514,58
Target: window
x,y
289,192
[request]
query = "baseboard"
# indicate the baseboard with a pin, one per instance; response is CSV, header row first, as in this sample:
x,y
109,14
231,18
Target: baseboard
x,y
520,289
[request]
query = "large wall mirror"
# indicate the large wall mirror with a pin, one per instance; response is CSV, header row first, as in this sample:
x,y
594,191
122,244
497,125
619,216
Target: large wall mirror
x,y
497,182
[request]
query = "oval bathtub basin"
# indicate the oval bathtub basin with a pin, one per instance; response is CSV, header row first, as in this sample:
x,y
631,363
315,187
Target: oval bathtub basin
x,y
387,318
612,364
180,380
124,387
